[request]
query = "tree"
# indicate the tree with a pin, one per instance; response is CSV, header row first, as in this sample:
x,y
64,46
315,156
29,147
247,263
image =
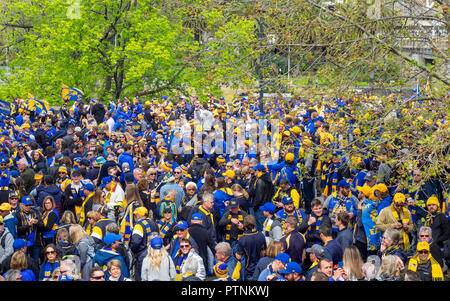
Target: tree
x,y
111,49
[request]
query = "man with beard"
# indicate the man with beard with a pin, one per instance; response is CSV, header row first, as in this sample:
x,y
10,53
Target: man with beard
x,y
437,221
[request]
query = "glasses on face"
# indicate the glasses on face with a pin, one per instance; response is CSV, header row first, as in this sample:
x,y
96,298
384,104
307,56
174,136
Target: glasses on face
x,y
122,137
50,252
423,252
184,246
177,172
98,277
193,189
424,235
152,174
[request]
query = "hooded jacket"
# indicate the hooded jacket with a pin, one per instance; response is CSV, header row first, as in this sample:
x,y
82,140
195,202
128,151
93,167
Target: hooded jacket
x,y
105,255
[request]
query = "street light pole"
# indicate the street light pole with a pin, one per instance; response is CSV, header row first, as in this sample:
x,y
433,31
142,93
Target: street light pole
x,y
261,58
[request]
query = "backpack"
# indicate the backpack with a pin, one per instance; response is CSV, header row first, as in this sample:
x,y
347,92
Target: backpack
x,y
65,249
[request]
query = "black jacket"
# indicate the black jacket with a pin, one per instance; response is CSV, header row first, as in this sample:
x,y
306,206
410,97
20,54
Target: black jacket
x,y
263,191
440,229
42,138
204,239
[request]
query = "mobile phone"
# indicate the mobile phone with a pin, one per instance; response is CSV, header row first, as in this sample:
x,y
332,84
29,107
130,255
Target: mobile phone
x,y
340,264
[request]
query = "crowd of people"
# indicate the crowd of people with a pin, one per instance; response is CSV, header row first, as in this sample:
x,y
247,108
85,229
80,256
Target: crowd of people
x,y
118,192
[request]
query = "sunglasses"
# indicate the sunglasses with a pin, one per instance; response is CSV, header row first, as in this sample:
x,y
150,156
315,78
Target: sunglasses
x,y
184,246
424,235
152,174
177,172
423,252
98,277
50,252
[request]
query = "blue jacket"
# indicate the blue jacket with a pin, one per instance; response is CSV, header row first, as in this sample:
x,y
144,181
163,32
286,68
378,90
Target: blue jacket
x,y
105,255
126,157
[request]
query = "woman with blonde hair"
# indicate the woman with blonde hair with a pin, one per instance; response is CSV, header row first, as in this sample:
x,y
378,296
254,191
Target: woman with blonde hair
x,y
92,219
353,264
273,249
84,248
391,268
19,262
157,265
241,196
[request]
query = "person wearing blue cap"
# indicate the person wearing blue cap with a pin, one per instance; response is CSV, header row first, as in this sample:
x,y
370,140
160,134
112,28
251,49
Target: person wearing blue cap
x,y
181,230
271,273
21,245
157,264
290,210
126,156
344,201
72,197
108,253
263,193
272,227
86,192
203,237
27,220
337,170
292,272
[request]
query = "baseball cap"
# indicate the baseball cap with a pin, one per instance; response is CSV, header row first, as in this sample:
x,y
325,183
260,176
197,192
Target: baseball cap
x,y
287,200
269,207
103,210
196,217
156,243
229,173
316,249
5,207
369,176
26,200
182,225
423,245
283,257
291,267
141,211
259,166
88,186
110,238
234,204
19,243
343,183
